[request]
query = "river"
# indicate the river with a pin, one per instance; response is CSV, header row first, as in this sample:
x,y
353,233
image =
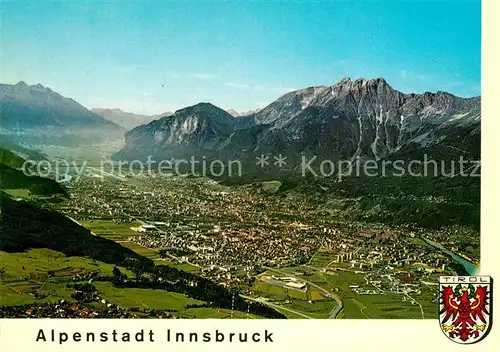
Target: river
x,y
67,178
469,266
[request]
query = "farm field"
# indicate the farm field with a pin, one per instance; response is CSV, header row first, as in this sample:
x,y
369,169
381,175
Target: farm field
x,y
181,266
215,313
312,303
111,229
45,272
316,310
19,193
25,279
145,298
120,233
164,300
339,279
277,292
35,264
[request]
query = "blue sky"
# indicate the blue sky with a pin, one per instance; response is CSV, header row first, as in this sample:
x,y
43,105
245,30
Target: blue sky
x,y
157,56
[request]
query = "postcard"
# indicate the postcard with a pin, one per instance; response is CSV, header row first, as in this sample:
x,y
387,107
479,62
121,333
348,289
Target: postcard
x,y
246,175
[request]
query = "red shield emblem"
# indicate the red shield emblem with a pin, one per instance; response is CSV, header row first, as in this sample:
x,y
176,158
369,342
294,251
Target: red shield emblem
x,y
465,307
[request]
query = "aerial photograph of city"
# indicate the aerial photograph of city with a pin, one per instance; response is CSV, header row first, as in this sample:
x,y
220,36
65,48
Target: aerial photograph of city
x,y
234,160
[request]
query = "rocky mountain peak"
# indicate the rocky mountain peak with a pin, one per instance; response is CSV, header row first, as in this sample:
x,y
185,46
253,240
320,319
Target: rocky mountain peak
x,y
202,111
361,82
21,84
362,117
201,108
196,128
362,86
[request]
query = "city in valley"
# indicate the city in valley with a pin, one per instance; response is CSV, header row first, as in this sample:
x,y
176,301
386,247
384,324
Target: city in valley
x,y
238,159
278,250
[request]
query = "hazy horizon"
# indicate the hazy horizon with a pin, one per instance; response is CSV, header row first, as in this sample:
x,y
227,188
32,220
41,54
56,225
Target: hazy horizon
x,y
157,57
222,107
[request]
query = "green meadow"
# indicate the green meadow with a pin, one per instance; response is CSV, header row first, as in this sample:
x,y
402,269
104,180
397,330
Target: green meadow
x,y
25,276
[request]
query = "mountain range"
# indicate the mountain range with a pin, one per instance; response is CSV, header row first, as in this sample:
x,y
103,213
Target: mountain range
x,y
130,120
127,120
353,118
242,113
364,118
37,115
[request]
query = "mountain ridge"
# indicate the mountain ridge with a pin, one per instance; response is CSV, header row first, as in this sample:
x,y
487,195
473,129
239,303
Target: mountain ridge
x,y
352,118
127,120
192,129
37,113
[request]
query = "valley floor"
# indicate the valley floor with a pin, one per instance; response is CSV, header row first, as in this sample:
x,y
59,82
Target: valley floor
x,y
274,249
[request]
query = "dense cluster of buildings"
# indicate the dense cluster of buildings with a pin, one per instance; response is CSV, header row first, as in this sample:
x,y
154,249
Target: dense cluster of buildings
x,y
227,231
